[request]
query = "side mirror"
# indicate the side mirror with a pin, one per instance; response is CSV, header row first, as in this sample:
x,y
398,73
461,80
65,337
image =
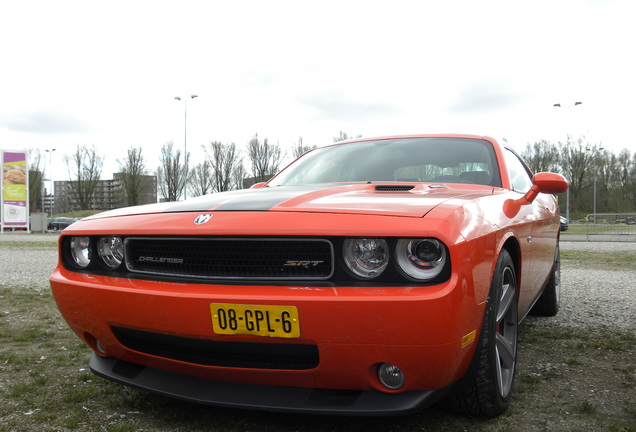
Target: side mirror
x,y
550,183
258,185
543,182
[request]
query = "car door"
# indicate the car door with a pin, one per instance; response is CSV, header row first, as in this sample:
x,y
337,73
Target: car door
x,y
530,233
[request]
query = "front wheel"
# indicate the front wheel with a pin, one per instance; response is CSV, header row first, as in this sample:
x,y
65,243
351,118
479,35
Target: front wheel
x,y
487,388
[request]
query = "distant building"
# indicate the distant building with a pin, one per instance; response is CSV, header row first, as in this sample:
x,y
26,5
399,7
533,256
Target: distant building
x,y
109,194
250,181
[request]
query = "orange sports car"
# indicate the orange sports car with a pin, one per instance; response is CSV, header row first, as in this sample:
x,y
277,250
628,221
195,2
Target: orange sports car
x,y
369,277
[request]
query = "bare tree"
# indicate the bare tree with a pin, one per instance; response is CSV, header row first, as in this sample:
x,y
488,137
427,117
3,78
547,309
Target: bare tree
x,y
343,136
134,177
265,158
224,160
579,164
541,156
605,166
36,180
630,187
201,179
85,170
239,178
624,182
300,149
172,174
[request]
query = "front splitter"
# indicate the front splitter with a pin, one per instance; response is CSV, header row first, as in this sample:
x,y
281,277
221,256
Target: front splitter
x,y
262,397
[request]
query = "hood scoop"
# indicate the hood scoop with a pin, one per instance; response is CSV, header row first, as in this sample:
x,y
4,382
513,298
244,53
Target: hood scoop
x,y
394,188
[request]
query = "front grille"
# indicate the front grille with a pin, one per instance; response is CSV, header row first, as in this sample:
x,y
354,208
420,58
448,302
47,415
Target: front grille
x,y
217,353
231,258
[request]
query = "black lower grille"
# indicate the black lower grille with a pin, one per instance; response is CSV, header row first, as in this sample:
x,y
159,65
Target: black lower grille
x,y
216,353
231,258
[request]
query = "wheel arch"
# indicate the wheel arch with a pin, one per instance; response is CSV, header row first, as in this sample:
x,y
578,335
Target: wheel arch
x,y
511,245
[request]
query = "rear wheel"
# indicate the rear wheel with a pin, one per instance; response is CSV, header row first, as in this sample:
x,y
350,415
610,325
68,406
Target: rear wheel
x,y
487,388
548,303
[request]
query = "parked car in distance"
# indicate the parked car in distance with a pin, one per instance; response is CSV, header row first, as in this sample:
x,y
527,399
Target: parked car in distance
x,y
564,223
59,223
369,277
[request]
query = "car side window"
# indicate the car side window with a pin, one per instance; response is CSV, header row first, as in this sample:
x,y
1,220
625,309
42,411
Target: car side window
x,y
520,177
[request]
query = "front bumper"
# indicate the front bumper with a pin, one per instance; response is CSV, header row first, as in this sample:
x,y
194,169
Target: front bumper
x,y
263,397
422,330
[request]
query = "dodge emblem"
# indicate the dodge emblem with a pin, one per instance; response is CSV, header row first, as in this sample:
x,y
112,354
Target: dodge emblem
x,y
202,218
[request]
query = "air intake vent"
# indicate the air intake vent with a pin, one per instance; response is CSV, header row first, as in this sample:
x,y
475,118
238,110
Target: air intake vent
x,y
394,188
220,353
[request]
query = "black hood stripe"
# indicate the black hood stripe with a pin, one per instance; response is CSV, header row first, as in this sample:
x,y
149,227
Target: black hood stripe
x,y
244,200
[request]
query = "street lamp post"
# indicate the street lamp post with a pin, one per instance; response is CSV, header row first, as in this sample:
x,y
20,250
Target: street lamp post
x,y
185,138
567,193
51,192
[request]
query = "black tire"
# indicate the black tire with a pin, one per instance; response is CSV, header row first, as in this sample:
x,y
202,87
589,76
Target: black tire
x,y
550,300
486,389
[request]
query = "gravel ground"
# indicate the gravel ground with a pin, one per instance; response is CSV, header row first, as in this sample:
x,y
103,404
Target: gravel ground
x,y
32,269
585,299
586,295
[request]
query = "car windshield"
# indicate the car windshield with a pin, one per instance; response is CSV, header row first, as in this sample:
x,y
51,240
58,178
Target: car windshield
x,y
438,160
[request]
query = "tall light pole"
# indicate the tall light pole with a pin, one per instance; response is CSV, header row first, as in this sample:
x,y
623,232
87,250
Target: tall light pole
x,y
567,193
51,192
185,138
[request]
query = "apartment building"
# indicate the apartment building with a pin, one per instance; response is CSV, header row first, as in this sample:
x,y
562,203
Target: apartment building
x,y
109,194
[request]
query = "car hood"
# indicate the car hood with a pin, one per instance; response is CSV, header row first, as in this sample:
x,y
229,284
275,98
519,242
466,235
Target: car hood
x,y
389,199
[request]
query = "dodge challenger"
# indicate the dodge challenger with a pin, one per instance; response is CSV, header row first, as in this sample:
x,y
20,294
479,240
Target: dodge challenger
x,y
369,277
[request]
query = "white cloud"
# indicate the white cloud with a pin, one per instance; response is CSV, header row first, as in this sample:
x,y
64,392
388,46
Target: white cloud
x,y
485,96
44,122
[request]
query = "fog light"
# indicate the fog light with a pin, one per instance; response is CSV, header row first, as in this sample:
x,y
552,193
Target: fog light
x,y
95,344
391,376
100,347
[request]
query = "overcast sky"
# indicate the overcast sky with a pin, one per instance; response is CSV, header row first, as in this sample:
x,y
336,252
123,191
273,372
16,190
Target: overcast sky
x,y
107,73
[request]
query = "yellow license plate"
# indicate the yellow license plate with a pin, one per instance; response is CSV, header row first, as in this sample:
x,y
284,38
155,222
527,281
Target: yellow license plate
x,y
257,320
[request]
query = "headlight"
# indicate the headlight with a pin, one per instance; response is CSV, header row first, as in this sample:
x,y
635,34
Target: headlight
x,y
420,259
81,251
366,258
111,251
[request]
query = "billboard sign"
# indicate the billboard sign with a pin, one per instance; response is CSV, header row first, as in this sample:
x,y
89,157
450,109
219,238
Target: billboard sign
x,y
14,199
